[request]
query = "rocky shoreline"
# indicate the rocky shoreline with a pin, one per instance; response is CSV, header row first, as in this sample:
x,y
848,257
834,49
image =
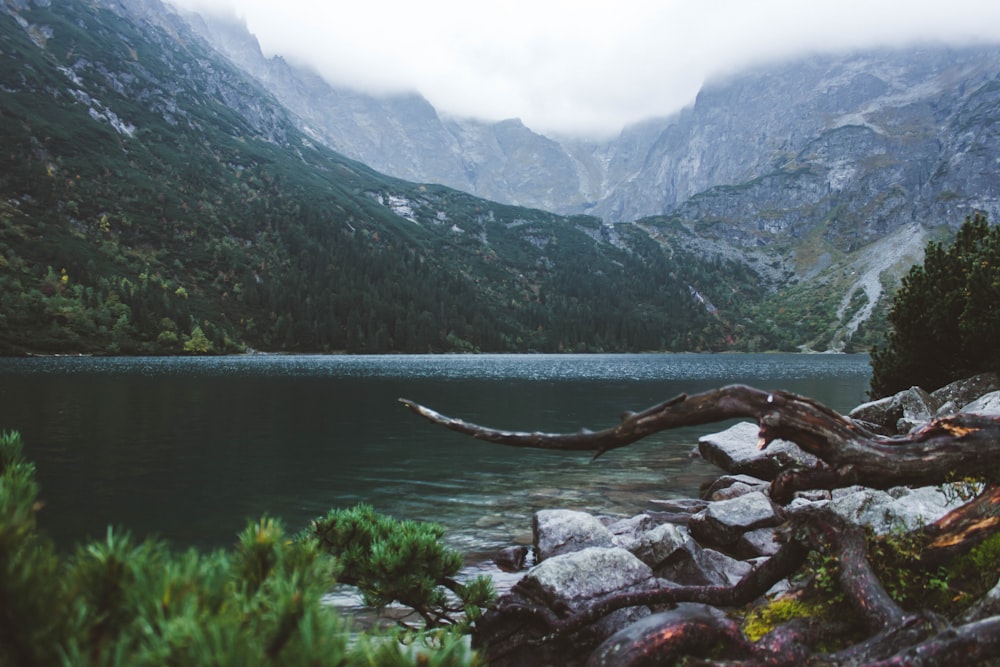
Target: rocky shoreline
x,y
717,540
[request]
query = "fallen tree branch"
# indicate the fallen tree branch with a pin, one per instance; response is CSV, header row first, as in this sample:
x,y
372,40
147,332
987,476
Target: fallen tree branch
x,y
958,446
964,445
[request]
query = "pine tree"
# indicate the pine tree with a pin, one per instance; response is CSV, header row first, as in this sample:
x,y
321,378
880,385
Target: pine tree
x,y
945,318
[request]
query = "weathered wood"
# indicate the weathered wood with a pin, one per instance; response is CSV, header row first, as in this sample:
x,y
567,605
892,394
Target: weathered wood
x,y
961,530
668,637
964,445
955,447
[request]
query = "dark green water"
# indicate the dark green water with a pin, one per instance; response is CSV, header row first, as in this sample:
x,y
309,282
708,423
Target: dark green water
x,y
188,449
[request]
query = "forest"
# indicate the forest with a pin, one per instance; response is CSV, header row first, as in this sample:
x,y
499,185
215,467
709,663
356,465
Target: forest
x,y
152,201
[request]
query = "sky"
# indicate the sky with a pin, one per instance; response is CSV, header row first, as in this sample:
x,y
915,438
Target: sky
x,y
579,67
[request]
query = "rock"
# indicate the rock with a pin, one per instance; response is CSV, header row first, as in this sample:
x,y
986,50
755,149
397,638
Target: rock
x,y
680,505
898,413
733,486
690,564
627,531
954,397
561,531
567,583
511,559
730,569
756,543
573,579
722,523
657,546
676,511
898,509
988,404
735,451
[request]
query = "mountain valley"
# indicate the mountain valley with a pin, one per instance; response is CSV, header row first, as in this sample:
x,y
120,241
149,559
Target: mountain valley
x,y
167,189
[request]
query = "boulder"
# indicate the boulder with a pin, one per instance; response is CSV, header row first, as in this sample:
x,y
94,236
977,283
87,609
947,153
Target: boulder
x,y
988,404
561,531
733,486
735,451
723,522
628,531
729,569
574,579
683,561
512,559
677,511
565,583
659,545
954,397
756,543
898,413
897,509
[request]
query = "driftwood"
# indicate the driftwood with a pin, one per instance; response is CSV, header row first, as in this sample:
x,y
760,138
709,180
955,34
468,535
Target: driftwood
x,y
957,447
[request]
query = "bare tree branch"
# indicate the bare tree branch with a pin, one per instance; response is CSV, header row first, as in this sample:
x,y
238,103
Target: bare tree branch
x,y
961,445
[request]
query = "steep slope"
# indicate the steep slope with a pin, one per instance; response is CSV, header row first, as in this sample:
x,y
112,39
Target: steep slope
x,y
155,199
403,135
861,125
926,108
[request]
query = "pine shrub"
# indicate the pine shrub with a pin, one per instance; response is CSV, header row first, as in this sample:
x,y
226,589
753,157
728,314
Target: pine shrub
x,y
117,601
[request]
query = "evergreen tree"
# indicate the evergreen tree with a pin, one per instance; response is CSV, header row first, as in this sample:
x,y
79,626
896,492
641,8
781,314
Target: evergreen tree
x,y
945,318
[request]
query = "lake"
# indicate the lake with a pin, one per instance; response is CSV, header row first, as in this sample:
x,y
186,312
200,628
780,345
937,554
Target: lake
x,y
188,448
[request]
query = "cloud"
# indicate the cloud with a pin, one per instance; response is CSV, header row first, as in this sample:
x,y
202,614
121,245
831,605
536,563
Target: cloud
x,y
585,67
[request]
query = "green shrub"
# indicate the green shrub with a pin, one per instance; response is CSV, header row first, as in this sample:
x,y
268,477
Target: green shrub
x,y
378,553
119,602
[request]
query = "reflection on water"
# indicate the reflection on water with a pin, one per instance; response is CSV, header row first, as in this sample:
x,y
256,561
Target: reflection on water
x,y
188,449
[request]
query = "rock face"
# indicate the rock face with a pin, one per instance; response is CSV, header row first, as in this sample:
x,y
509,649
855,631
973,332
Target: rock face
x,y
856,145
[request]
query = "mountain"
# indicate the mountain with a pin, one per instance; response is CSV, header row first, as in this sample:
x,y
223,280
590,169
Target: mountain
x,y
825,174
155,198
924,109
403,135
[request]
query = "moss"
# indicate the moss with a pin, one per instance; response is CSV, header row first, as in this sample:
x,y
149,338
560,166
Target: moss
x,y
762,620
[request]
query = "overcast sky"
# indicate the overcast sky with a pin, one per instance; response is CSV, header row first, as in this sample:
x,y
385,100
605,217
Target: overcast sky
x,y
579,66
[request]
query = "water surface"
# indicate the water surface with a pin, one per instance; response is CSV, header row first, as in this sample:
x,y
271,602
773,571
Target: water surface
x,y
189,448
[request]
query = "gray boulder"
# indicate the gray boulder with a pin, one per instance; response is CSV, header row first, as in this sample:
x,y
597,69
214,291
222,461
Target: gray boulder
x,y
561,531
735,451
897,509
690,564
733,486
722,523
573,581
988,404
898,413
954,397
566,583
626,532
756,543
659,545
